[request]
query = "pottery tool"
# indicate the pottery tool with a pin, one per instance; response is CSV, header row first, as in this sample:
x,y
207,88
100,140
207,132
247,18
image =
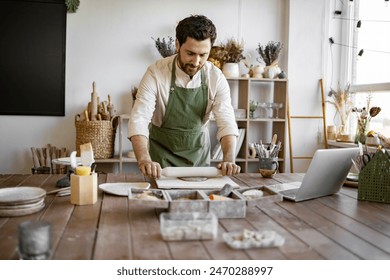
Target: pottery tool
x,y
226,190
58,190
82,170
86,154
273,142
73,159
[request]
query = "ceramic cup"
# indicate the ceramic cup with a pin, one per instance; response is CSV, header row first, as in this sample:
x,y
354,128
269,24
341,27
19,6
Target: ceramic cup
x,y
34,240
268,167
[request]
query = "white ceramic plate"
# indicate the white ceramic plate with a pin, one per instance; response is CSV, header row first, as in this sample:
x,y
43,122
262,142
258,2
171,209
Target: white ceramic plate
x,y
22,206
66,160
122,189
22,211
21,195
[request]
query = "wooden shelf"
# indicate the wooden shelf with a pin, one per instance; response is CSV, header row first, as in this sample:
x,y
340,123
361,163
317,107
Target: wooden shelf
x,y
339,144
243,90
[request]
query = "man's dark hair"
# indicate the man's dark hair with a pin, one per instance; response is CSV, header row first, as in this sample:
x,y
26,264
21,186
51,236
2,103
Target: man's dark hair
x,y
198,27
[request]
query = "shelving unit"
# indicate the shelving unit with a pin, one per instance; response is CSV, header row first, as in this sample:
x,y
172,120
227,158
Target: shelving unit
x,y
119,158
243,90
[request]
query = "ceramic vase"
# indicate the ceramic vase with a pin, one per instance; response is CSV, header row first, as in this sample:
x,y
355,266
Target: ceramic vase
x,y
231,70
272,71
257,71
361,131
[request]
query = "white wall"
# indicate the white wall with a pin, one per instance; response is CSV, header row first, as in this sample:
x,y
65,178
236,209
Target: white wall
x,y
308,48
110,42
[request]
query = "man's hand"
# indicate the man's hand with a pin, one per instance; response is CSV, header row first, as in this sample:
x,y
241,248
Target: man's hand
x,y
229,168
146,165
150,168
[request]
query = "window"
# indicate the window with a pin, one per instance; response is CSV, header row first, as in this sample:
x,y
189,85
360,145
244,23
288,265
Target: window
x,y
373,37
370,72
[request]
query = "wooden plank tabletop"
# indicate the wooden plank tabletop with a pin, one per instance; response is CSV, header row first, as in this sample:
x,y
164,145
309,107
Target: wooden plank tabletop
x,y
333,227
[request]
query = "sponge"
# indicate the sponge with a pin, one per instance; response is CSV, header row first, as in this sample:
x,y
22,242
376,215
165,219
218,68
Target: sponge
x,y
83,170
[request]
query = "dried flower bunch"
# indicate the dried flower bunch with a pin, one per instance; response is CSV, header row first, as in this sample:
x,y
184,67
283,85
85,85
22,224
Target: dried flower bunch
x,y
165,47
214,56
269,53
365,114
230,52
342,102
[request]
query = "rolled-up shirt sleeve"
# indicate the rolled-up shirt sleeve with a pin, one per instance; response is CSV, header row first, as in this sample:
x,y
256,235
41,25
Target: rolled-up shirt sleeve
x,y
144,106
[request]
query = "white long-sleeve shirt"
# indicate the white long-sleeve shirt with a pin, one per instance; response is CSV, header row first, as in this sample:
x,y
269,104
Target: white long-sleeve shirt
x,y
153,94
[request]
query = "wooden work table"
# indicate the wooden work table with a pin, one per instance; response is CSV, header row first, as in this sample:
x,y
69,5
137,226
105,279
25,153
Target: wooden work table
x,y
334,227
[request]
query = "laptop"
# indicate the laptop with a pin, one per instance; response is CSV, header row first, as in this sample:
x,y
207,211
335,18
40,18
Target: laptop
x,y
325,176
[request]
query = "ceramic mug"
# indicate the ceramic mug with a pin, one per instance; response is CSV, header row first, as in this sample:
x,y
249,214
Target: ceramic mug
x,y
268,167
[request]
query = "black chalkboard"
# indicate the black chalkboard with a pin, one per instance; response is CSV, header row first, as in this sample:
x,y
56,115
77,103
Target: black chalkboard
x,y
32,57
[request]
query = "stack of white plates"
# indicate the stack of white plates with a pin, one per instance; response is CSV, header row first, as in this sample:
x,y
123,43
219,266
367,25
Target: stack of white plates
x,y
20,201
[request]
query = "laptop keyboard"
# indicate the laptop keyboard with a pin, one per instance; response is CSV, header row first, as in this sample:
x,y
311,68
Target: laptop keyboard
x,y
290,193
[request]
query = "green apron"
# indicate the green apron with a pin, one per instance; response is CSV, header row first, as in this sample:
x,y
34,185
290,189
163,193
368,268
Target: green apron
x,y
182,140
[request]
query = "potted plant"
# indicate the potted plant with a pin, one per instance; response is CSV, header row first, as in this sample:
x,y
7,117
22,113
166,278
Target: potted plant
x,y
166,47
230,54
269,55
364,116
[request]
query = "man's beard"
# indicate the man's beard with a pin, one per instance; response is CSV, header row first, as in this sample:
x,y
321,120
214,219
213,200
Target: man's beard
x,y
188,68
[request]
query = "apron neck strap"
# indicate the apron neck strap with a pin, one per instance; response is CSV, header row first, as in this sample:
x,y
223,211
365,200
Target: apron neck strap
x,y
173,74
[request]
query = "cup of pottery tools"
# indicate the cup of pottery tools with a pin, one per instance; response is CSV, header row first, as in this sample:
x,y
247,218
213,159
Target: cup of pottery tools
x,y
268,166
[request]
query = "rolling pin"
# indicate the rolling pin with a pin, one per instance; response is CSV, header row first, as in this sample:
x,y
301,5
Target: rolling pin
x,y
110,106
191,172
94,103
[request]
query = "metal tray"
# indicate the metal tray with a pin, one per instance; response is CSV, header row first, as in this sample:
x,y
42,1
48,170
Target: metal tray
x,y
187,201
234,208
150,197
268,196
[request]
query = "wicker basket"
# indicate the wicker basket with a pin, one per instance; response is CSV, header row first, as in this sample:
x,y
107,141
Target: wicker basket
x,y
101,135
374,179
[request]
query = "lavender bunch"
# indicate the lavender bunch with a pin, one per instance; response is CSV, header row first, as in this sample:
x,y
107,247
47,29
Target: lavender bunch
x,y
165,47
270,52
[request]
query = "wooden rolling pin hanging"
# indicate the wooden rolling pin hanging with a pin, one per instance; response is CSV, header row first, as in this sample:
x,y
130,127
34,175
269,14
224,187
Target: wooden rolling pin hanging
x,y
105,114
94,103
110,107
